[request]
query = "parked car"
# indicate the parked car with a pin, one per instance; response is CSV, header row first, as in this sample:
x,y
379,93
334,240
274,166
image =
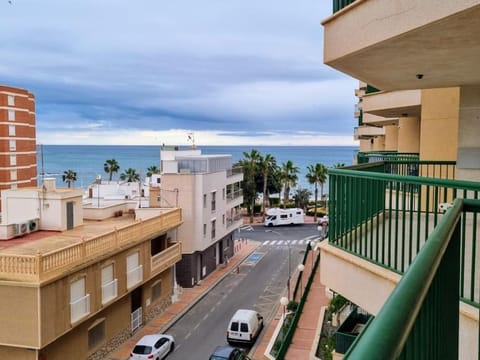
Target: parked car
x,y
244,327
153,347
227,353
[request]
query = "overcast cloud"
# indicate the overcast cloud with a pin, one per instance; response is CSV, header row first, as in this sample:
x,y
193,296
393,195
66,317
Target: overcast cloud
x,y
148,72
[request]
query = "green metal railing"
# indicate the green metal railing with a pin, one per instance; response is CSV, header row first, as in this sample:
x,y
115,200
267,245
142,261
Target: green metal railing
x,y
420,319
299,278
340,4
386,218
364,157
296,318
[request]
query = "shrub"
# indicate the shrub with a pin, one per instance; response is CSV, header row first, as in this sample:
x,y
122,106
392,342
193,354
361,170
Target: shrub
x,y
274,201
292,305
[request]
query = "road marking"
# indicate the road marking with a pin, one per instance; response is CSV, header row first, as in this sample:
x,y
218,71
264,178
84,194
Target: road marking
x,y
196,327
205,317
294,242
254,258
266,242
212,309
273,242
188,335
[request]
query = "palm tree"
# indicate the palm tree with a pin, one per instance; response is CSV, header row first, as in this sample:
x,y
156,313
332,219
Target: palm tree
x,y
69,177
250,167
111,166
152,170
317,174
289,178
301,198
130,175
266,165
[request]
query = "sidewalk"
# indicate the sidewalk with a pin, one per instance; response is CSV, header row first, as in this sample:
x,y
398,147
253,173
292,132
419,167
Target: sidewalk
x,y
187,298
305,339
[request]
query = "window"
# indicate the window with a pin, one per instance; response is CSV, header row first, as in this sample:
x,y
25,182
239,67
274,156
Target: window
x,y
10,100
214,195
223,219
96,334
213,228
11,115
223,193
109,284
234,326
156,290
79,300
13,159
11,130
204,201
134,270
13,175
243,327
204,230
13,145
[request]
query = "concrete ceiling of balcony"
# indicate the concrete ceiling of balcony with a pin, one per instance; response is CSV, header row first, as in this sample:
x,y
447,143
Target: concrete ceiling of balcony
x,y
411,111
446,52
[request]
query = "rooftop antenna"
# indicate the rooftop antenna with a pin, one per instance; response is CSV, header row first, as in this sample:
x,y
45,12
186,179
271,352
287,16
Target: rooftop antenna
x,y
191,137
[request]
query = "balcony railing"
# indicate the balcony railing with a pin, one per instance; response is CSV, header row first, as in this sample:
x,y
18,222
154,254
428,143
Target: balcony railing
x,y
340,4
231,221
109,291
374,156
166,258
134,276
79,308
384,212
420,319
234,171
38,267
234,195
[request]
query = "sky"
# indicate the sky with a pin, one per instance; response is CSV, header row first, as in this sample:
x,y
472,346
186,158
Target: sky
x,y
236,72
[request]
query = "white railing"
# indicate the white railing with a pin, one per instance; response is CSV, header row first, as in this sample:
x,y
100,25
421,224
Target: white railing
x,y
136,318
134,276
109,291
79,308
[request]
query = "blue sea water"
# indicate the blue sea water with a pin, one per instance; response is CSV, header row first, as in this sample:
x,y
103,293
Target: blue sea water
x,y
87,160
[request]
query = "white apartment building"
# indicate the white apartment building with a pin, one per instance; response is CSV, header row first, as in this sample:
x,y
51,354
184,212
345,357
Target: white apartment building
x,y
208,191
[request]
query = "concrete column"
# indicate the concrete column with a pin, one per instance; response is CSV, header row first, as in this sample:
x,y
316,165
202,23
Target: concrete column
x,y
468,162
409,134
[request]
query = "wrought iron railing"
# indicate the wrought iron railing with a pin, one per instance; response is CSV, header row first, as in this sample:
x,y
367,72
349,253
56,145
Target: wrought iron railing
x,y
420,319
386,218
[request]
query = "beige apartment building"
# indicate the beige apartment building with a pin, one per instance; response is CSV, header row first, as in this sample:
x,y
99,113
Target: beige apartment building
x,y
207,189
71,288
18,159
419,131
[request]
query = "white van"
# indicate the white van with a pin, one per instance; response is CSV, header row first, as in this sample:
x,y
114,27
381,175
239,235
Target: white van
x,y
277,216
244,327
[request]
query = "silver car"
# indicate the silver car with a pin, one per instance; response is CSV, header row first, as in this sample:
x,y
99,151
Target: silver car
x,y
153,347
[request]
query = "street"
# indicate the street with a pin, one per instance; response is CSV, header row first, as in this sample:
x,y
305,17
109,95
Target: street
x,y
259,284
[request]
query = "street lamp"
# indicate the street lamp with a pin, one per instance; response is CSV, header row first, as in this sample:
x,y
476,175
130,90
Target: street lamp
x,y
284,302
300,268
99,182
312,249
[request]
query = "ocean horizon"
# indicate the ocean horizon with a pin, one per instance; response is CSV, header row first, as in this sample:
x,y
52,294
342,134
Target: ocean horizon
x,y
87,160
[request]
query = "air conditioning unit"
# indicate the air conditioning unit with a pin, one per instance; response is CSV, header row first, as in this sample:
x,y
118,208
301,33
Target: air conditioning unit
x,y
21,228
33,225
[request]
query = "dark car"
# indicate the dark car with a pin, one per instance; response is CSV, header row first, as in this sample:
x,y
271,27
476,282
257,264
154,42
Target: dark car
x,y
227,353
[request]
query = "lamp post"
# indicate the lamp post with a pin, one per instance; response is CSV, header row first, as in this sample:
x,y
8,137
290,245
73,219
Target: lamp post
x,y
284,302
300,268
289,260
312,249
99,182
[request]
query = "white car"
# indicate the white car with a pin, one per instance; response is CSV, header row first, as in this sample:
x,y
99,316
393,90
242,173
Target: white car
x,y
154,347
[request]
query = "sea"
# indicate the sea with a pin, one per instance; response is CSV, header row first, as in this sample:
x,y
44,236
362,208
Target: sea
x,y
87,160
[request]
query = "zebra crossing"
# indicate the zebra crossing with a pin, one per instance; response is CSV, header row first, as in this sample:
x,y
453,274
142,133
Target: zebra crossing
x,y
301,242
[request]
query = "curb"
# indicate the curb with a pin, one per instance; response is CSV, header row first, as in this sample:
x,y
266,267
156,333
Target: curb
x,y
200,297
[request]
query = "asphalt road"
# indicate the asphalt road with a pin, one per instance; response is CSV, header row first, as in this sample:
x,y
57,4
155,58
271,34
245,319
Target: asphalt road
x,y
258,285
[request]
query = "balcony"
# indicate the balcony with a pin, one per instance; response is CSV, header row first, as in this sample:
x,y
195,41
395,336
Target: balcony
x,y
438,39
393,104
79,248
407,231
166,258
79,308
235,220
234,195
367,132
